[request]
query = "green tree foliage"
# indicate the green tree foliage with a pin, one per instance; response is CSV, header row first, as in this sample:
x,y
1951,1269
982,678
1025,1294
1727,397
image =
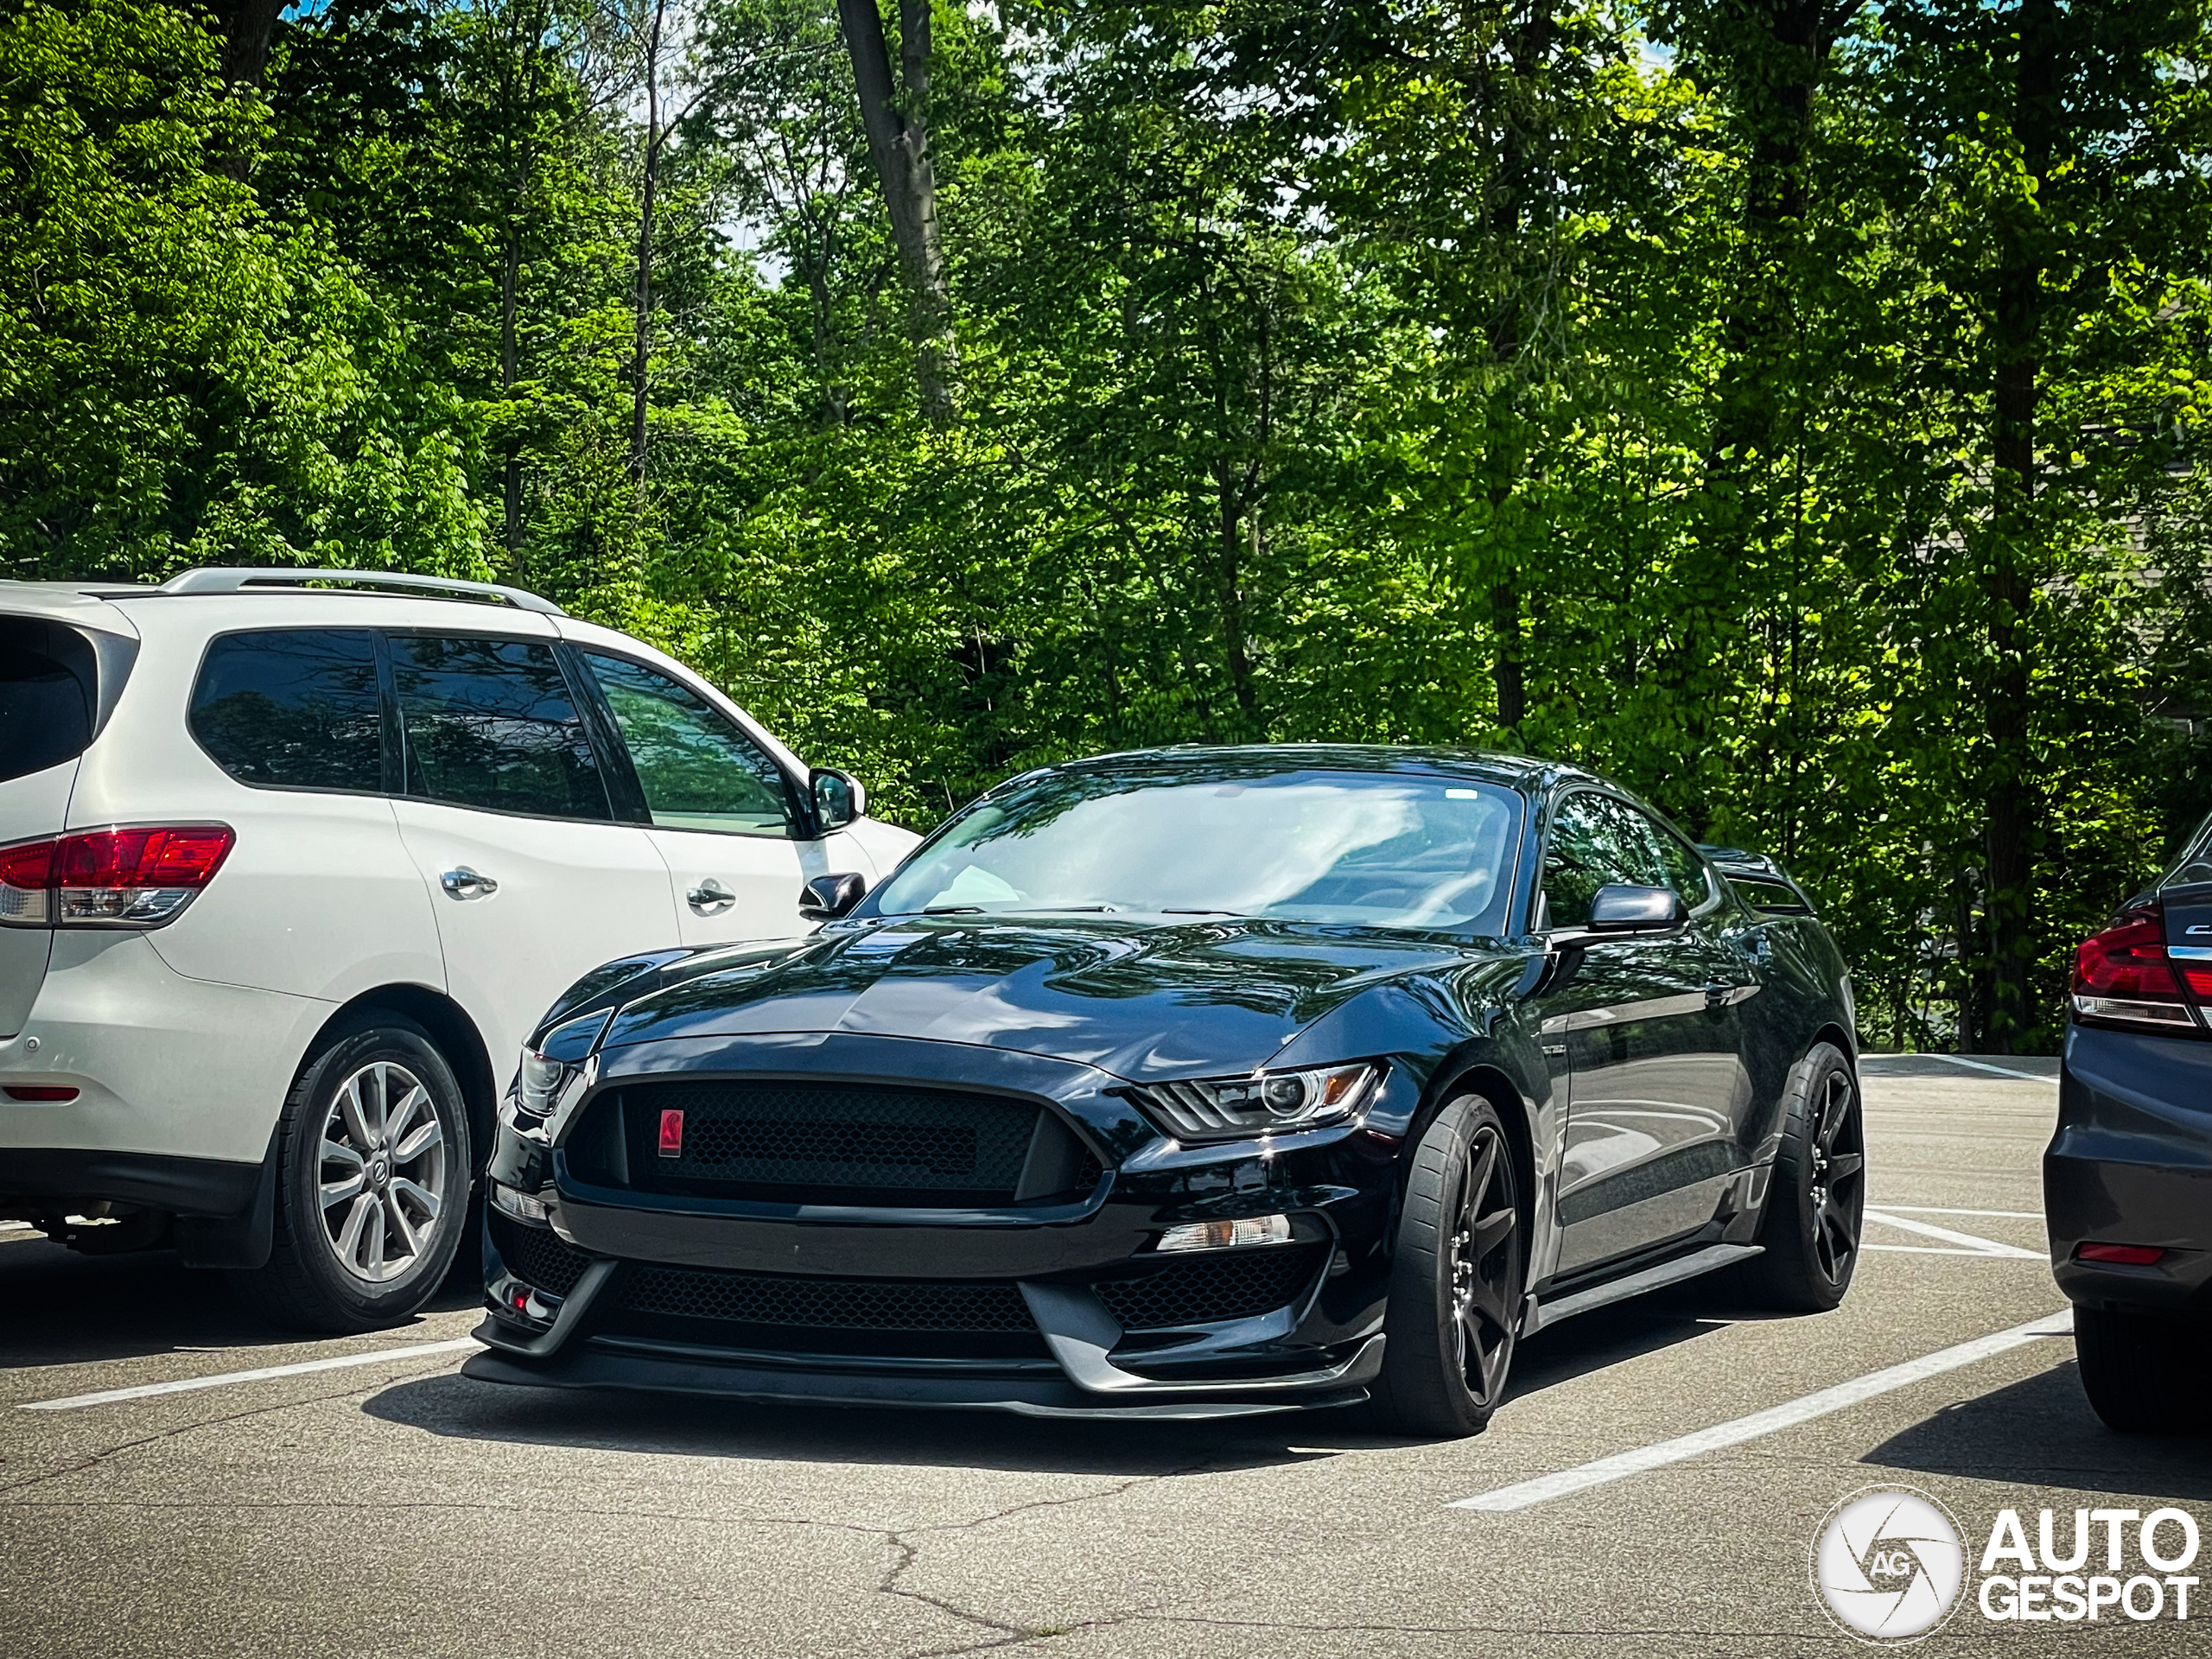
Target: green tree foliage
x,y
1789,408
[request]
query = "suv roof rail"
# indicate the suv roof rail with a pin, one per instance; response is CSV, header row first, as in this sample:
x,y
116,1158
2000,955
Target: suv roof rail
x,y
226,579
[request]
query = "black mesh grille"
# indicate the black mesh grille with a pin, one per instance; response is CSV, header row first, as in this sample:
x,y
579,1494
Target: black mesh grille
x,y
801,1139
1231,1286
826,1304
537,1256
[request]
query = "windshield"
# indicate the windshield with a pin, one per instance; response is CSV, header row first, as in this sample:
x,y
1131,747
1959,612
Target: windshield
x,y
1378,850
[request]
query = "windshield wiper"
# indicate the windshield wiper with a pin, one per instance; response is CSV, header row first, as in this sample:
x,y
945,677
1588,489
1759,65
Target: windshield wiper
x,y
1171,910
953,910
1062,910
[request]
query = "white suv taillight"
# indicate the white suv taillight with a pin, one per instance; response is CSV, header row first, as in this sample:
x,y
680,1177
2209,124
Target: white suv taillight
x,y
127,877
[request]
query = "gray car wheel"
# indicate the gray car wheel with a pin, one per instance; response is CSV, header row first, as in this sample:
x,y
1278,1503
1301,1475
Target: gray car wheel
x,y
372,1184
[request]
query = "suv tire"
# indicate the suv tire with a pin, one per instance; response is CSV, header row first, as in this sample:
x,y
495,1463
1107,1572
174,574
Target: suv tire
x,y
1456,1278
373,1185
1817,1198
2144,1375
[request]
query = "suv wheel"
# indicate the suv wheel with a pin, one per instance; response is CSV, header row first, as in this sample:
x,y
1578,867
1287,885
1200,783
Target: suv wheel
x,y
372,1185
2143,1375
1817,1198
1456,1278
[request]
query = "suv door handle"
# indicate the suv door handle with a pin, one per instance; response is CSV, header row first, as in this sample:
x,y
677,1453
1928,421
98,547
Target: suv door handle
x,y
709,895
464,883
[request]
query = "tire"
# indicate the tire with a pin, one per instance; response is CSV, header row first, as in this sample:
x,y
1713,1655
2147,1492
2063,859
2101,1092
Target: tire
x,y
1816,1198
1456,1278
2143,1375
380,1110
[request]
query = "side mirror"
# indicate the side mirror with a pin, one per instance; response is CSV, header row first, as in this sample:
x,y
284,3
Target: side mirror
x,y
828,897
1620,908
839,798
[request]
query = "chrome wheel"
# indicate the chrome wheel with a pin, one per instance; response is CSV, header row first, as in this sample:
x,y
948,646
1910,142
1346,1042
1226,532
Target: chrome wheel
x,y
382,1167
1839,1164
1485,1263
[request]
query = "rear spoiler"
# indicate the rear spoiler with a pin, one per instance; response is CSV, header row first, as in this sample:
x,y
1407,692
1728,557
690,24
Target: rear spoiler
x,y
1761,882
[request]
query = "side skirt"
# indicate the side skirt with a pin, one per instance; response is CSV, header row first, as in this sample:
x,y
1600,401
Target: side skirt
x,y
1537,1315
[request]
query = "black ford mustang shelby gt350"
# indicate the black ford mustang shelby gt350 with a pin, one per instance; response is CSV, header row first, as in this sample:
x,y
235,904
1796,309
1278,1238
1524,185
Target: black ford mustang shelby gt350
x,y
1191,1083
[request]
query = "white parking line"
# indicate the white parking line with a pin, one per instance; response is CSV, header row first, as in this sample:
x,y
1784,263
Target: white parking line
x,y
1978,1065
1526,1493
146,1391
1939,1210
1967,1242
1944,1249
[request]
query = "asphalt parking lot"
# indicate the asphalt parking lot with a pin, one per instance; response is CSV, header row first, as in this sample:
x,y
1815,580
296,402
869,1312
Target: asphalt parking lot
x,y
392,1507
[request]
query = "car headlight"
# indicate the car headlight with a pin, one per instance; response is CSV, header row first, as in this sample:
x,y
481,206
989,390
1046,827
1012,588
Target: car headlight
x,y
1263,1102
555,1060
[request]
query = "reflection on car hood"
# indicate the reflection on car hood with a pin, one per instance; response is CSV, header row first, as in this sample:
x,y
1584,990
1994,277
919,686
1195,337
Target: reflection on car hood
x,y
1140,1000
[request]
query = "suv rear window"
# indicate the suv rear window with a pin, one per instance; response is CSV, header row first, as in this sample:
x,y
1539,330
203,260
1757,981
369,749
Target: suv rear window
x,y
47,680
292,708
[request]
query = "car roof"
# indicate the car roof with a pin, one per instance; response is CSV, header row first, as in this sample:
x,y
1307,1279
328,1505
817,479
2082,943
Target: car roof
x,y
242,579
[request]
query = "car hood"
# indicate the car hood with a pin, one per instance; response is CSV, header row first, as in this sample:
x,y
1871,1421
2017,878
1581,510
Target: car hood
x,y
1139,1001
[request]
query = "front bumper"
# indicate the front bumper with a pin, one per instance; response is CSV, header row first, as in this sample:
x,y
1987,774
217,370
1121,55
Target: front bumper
x,y
1056,1308
2132,1164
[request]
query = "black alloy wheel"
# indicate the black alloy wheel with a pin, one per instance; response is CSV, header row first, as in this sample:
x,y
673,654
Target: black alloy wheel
x,y
1457,1277
1816,1198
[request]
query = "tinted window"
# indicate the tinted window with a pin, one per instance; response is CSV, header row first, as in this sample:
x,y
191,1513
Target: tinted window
x,y
1378,849
697,770
1595,842
1685,871
46,677
490,723
295,709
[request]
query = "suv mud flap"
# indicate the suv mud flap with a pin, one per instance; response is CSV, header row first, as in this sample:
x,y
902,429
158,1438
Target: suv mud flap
x,y
241,1241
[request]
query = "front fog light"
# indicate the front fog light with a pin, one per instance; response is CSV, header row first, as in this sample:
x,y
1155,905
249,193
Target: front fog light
x,y
520,1205
1226,1235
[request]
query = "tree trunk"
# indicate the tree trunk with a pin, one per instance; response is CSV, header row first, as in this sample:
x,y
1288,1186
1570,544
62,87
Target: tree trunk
x,y
511,492
246,26
1506,337
2013,822
1774,52
897,141
642,294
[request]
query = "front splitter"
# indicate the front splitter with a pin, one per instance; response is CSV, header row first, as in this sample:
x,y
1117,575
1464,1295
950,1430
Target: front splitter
x,y
1026,1396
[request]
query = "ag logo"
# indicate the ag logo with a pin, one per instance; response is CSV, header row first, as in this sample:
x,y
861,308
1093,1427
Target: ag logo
x,y
1888,1564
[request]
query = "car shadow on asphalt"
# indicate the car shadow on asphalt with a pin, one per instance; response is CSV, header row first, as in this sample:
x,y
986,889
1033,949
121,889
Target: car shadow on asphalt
x,y
695,1427
66,1309
2040,1432
689,1425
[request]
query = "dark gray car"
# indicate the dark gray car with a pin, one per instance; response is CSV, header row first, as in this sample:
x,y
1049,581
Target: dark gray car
x,y
2127,1180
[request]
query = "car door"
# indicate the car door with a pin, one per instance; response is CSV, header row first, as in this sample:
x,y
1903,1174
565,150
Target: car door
x,y
507,815
724,817
1650,1051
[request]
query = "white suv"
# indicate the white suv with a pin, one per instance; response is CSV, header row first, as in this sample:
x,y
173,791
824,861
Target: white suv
x,y
288,873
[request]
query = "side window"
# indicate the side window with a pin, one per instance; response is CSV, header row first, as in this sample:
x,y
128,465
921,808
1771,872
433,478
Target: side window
x,y
490,723
1594,841
295,708
1685,871
696,770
